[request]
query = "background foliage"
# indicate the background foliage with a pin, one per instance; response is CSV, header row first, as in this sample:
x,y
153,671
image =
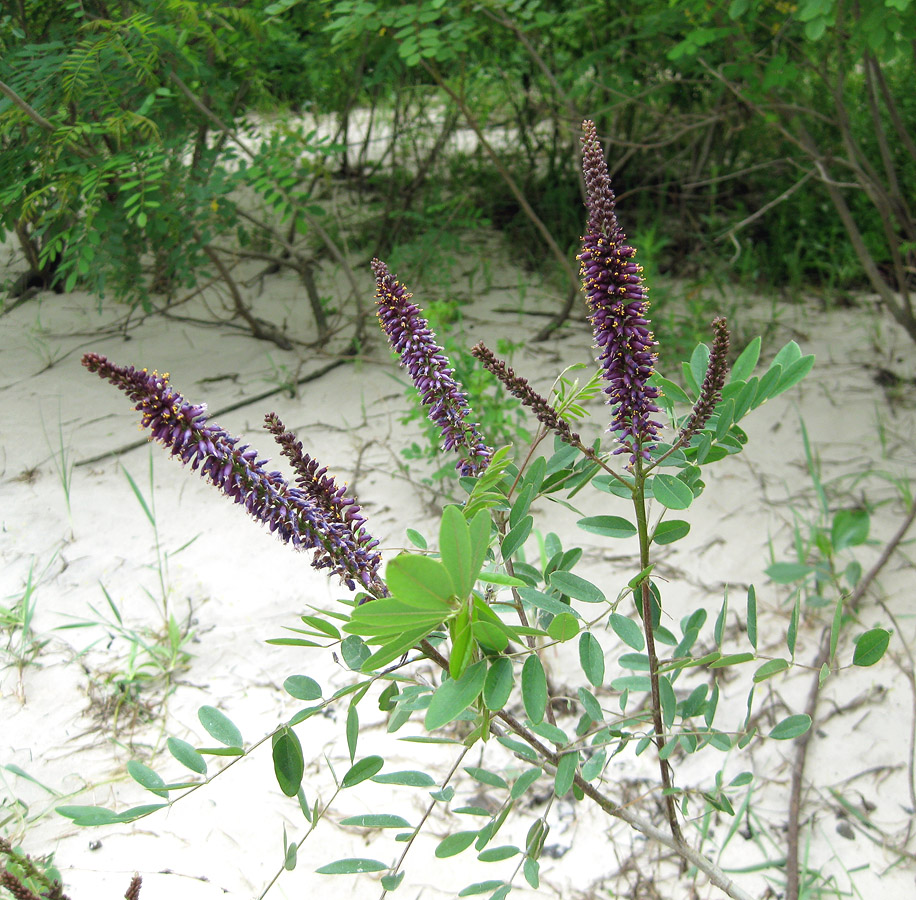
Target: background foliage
x,y
772,141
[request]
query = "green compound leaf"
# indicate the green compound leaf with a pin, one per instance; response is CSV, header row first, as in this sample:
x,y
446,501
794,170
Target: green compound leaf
x,y
628,631
746,361
302,687
219,726
392,882
377,820
849,528
870,647
607,526
671,492
566,773
576,587
289,765
769,669
524,781
498,854
362,770
352,866
534,688
146,777
791,727
564,627
485,776
483,887
454,696
670,531
498,684
455,550
591,658
417,581
187,755
455,844
89,815
407,778
516,537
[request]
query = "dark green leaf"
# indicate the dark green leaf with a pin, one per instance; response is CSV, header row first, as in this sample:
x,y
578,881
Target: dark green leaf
x,y
352,730
362,770
791,727
591,658
670,531
607,526
455,550
545,602
417,539
302,687
288,761
497,854
482,887
352,866
453,697
455,844
146,777
769,669
408,778
417,581
849,529
671,492
524,781
219,726
498,684
516,537
354,651
566,773
392,882
870,647
787,573
752,616
187,755
576,587
746,362
628,631
377,820
564,627
534,688
485,776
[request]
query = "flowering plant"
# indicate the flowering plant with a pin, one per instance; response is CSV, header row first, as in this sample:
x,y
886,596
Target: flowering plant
x,y
483,615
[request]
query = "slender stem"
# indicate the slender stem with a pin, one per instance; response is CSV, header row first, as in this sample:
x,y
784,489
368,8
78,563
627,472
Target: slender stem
x,y
425,816
642,526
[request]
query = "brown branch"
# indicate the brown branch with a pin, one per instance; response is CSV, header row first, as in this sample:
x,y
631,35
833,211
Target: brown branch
x,y
793,885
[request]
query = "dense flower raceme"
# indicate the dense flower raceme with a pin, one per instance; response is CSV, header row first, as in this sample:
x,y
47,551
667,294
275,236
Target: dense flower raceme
x,y
713,382
411,337
318,518
617,305
521,390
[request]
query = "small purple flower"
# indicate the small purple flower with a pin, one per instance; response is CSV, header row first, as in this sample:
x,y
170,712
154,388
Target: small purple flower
x,y
410,336
617,304
289,512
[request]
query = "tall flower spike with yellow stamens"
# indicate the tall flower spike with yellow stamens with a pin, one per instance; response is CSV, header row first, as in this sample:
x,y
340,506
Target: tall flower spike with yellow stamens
x,y
291,513
617,306
411,337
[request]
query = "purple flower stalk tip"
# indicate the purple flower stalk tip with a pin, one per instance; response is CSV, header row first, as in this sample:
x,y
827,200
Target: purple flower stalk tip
x,y
410,336
713,382
519,387
617,304
317,519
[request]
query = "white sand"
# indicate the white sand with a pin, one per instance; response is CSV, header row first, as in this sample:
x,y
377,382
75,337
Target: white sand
x,y
242,587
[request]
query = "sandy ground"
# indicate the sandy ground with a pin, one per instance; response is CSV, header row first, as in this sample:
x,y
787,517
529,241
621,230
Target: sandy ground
x,y
63,725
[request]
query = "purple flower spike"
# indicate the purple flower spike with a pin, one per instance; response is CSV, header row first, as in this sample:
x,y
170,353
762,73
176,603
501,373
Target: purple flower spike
x,y
320,489
291,513
410,336
617,304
